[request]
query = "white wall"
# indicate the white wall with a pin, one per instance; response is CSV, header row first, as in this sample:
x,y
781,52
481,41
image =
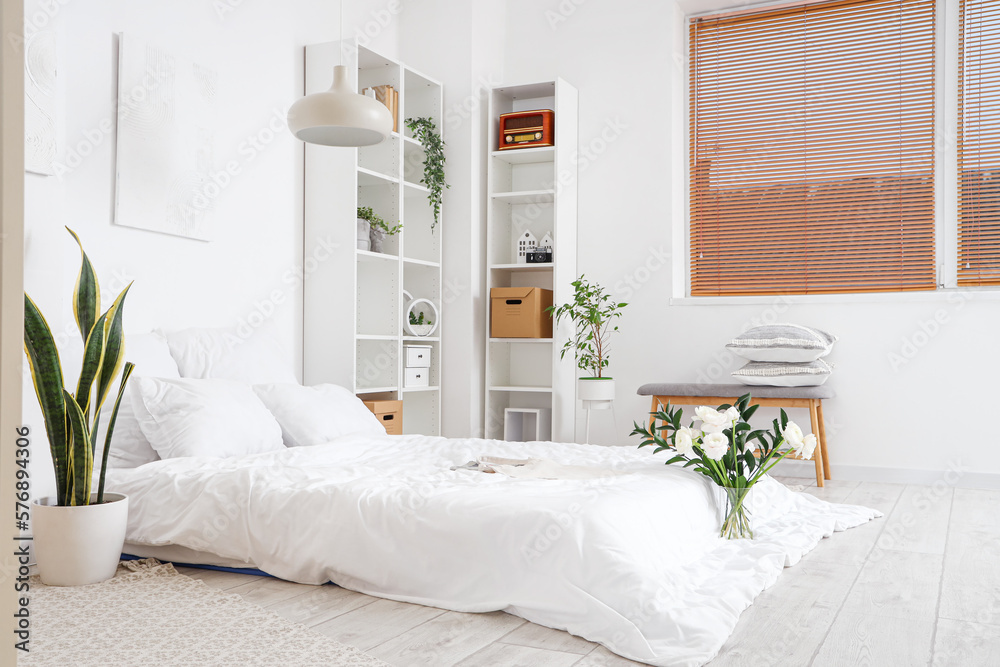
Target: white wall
x,y
252,263
895,417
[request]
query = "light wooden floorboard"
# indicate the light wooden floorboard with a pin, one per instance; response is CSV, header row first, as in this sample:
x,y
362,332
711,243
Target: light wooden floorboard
x,y
511,655
446,639
866,640
917,588
962,644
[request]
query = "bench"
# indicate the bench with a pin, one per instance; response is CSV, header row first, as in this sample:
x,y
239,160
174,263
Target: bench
x,y
714,395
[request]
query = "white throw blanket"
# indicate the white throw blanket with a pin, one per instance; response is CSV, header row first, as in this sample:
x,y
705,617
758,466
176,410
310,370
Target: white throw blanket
x,y
632,561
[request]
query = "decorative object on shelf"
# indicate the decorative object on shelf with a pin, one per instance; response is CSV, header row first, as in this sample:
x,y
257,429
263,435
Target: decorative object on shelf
x,y
539,255
727,450
364,241
339,116
547,241
419,323
524,244
519,312
425,131
527,424
78,535
388,96
593,313
378,228
526,129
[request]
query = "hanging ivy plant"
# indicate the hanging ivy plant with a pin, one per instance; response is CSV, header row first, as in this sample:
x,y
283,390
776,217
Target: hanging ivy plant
x,y
426,133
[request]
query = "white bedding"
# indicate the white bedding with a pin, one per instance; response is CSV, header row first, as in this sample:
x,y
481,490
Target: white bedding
x,y
631,561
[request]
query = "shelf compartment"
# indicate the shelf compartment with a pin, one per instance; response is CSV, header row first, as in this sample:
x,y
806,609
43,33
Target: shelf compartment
x,y
421,410
377,365
377,298
368,177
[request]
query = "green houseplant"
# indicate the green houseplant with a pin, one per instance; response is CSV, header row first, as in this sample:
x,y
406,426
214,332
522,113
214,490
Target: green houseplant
x,y
78,534
593,313
378,228
425,131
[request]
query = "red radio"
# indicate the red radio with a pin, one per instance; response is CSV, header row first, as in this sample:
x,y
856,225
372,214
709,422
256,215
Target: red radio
x,y
523,129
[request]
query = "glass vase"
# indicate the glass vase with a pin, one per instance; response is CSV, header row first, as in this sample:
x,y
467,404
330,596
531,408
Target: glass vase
x,y
737,522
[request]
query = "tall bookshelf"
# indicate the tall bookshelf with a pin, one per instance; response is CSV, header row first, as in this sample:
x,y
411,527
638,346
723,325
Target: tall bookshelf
x,y
354,305
532,189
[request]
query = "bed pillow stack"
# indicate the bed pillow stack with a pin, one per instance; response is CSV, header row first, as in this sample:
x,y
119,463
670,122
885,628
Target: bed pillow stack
x,y
783,355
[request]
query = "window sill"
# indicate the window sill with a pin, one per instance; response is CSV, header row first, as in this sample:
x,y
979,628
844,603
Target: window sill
x,y
950,295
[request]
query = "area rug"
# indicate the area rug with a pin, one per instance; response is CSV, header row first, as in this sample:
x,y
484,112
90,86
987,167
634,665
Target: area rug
x,y
149,614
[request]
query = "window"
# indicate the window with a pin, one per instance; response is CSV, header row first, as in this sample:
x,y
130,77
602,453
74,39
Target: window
x,y
812,151
979,143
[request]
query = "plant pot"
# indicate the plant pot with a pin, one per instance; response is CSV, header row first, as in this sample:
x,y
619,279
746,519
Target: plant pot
x,y
364,234
377,237
596,393
82,545
422,329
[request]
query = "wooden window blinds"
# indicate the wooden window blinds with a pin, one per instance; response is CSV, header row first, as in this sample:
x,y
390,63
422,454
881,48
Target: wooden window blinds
x,y
979,143
812,149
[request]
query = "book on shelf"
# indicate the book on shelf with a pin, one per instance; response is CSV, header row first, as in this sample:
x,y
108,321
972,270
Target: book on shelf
x,y
388,96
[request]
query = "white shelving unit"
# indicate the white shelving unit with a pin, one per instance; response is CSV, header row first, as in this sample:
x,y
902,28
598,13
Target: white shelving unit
x,y
354,307
532,189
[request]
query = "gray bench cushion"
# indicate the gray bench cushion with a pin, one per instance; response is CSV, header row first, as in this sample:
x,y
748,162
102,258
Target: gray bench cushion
x,y
695,389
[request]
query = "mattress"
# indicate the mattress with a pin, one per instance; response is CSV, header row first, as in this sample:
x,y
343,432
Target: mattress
x,y
630,558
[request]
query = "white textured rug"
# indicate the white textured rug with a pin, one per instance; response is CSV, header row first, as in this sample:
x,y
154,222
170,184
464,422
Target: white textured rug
x,y
149,614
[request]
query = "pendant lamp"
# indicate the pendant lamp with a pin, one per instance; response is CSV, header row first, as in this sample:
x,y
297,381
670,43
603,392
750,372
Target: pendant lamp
x,y
340,116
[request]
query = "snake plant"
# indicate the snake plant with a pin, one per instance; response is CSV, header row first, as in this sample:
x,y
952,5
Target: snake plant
x,y
72,418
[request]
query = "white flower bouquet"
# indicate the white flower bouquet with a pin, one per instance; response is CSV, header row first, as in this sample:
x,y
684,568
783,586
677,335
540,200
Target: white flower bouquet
x,y
725,448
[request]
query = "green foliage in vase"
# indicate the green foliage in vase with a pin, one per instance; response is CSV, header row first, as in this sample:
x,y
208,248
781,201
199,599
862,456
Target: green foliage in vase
x,y
417,320
426,133
366,213
593,313
72,418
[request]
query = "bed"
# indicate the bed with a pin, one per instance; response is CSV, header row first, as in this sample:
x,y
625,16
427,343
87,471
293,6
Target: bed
x,y
630,560
228,461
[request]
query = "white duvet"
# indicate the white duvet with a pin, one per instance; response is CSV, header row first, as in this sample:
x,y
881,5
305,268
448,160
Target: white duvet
x,y
632,560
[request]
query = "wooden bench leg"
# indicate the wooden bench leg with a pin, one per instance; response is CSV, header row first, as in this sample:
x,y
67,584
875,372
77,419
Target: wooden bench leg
x,y
652,416
818,454
822,439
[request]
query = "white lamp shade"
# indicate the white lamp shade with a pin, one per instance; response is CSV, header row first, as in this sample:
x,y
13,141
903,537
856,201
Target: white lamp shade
x,y
339,116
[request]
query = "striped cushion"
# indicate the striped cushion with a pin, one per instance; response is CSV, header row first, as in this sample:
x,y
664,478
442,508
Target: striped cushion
x,y
783,342
777,374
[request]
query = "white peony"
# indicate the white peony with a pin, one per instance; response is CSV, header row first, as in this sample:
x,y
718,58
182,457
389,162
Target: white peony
x,y
806,448
683,442
792,435
710,415
715,445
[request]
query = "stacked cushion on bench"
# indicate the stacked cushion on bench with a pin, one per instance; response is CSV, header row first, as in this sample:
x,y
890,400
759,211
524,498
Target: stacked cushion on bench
x,y
783,355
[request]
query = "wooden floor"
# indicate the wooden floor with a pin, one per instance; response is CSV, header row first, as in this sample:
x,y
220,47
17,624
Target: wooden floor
x,y
920,586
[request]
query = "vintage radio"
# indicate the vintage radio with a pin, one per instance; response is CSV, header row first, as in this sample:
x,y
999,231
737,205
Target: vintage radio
x,y
523,129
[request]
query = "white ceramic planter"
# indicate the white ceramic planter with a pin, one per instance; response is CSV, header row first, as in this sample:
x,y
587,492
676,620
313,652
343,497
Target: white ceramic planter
x,y
595,393
364,232
75,546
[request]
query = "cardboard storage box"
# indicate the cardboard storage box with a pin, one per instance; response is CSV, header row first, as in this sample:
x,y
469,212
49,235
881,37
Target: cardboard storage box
x,y
519,312
390,413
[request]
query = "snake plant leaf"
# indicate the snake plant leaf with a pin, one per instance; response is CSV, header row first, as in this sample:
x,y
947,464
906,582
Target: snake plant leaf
x,y
86,294
114,348
46,375
83,456
93,355
126,372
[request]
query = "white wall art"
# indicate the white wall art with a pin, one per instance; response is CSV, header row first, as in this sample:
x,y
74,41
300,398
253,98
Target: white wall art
x,y
166,141
39,102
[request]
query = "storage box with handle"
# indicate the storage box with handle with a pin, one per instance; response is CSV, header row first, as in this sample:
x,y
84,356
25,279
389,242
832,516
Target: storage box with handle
x,y
390,413
520,312
416,377
418,356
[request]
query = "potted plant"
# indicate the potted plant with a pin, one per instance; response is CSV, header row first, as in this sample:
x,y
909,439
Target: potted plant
x,y
419,326
425,131
78,535
378,228
727,450
593,312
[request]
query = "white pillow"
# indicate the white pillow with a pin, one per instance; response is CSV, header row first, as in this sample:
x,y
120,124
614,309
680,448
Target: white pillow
x,y
129,447
217,418
317,415
778,374
225,354
792,343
